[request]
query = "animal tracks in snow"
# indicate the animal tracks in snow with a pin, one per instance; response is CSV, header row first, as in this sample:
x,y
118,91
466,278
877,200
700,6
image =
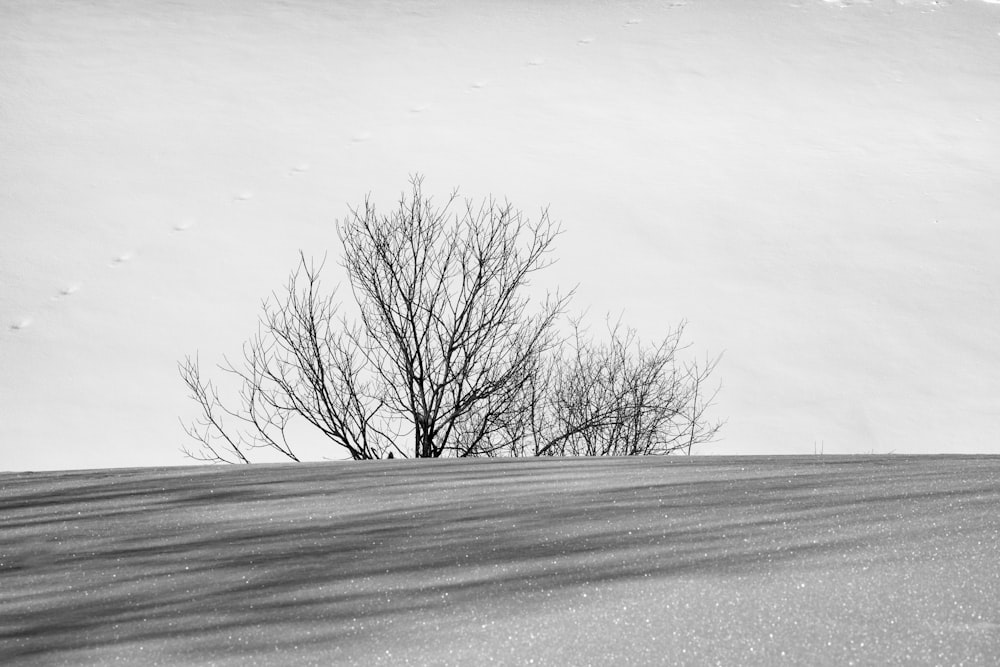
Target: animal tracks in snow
x,y
68,290
180,226
185,224
21,323
123,258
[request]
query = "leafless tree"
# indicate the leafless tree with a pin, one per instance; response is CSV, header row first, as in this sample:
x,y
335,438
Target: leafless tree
x,y
444,343
447,356
444,315
301,363
615,397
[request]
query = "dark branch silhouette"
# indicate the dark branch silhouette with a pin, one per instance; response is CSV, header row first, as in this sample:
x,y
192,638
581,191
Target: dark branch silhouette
x,y
448,356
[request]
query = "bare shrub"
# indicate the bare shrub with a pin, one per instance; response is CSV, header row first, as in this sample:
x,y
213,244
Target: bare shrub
x,y
448,356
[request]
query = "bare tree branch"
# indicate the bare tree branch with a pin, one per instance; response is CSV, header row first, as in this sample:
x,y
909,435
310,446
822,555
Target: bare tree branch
x,y
448,352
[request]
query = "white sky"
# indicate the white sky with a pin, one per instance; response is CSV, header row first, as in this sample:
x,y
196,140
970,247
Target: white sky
x,y
812,185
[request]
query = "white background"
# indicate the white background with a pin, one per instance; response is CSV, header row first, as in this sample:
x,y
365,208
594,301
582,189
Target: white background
x,y
812,185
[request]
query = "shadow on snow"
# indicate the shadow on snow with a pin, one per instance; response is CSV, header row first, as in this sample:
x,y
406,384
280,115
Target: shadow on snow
x,y
264,558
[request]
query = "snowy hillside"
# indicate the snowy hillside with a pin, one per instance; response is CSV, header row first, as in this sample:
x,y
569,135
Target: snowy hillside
x,y
680,561
812,185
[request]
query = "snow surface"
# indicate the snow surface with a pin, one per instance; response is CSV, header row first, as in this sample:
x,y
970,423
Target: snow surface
x,y
886,560
813,185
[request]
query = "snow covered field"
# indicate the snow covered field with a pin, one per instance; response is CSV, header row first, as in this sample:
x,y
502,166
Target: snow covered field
x,y
813,185
703,560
